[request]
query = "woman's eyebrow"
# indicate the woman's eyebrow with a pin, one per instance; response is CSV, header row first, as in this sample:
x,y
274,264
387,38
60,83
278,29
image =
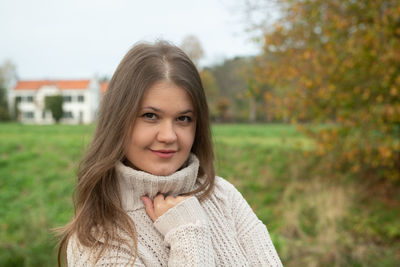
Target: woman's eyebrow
x,y
153,108
161,111
186,111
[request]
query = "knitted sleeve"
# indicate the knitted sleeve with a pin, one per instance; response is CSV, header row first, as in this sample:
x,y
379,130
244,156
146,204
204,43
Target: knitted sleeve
x,y
186,230
78,255
252,233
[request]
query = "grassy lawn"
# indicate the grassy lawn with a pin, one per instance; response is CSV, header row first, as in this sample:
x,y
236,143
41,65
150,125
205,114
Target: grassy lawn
x,y
37,170
312,221
268,136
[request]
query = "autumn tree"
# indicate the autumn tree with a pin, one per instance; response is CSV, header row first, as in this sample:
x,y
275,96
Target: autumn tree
x,y
257,107
338,63
7,74
211,89
219,105
192,47
222,108
232,78
4,114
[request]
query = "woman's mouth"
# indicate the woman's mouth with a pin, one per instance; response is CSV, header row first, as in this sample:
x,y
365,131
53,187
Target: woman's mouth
x,y
165,154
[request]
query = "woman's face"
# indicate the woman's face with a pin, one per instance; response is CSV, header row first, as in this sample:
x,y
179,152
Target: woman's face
x,y
164,131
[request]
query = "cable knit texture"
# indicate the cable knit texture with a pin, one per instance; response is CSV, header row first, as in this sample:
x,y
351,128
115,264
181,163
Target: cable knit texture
x,y
221,231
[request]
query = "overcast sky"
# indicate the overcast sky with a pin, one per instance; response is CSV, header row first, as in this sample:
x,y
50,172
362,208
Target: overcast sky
x,y
80,38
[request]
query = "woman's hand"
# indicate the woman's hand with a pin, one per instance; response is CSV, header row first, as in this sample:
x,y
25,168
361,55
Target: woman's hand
x,y
161,204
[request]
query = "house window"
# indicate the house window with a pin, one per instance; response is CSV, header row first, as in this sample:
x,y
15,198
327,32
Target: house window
x,y
28,115
68,115
29,99
18,99
81,98
67,98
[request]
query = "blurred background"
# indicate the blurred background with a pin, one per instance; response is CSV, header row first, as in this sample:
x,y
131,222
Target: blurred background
x,y
304,98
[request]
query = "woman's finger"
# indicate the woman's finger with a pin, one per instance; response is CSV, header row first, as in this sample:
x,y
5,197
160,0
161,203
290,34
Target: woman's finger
x,y
170,200
161,204
149,206
159,197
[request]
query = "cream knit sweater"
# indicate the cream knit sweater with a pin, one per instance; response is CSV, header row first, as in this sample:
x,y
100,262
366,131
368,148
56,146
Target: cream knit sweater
x,y
221,231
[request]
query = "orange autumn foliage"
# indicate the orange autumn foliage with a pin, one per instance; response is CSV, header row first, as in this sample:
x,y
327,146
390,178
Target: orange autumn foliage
x,y
338,63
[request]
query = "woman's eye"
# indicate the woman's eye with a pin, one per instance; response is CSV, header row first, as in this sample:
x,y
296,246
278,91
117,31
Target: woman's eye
x,y
150,116
184,119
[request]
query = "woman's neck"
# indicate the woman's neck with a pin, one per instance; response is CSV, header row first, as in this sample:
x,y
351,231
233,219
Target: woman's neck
x,y
135,183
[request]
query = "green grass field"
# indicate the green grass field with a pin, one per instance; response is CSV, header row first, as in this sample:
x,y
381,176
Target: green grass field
x,y
312,221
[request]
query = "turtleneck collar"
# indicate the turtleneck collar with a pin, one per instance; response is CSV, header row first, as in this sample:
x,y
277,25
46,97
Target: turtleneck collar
x,y
134,183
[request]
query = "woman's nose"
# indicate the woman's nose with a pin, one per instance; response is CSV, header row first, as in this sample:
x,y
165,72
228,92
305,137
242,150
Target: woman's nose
x,y
166,133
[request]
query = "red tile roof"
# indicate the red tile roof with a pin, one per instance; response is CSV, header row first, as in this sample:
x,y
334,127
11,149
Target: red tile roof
x,y
61,84
103,87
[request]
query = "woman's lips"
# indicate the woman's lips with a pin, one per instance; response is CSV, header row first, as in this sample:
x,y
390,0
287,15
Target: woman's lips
x,y
165,154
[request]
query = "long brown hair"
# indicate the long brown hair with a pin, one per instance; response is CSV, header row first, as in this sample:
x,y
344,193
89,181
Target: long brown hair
x,y
97,198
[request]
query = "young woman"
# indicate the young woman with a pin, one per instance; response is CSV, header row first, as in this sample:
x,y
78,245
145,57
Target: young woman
x,y
147,194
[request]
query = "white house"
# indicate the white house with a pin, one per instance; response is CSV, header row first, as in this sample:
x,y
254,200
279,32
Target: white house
x,y
81,100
